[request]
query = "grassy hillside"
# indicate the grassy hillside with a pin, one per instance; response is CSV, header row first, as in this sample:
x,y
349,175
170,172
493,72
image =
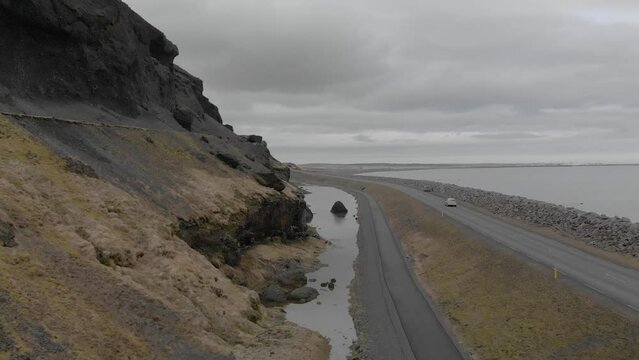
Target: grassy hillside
x,y
99,271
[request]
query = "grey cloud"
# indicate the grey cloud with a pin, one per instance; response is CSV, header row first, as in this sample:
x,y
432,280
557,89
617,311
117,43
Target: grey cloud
x,y
508,136
327,74
363,138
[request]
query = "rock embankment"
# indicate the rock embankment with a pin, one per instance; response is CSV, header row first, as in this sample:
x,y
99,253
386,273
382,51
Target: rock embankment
x,y
609,233
289,286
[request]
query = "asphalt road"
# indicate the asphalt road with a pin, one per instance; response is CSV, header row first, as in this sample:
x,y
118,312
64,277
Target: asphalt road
x,y
402,321
615,282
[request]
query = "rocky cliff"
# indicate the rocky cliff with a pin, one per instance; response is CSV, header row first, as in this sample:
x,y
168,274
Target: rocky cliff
x,y
127,209
97,53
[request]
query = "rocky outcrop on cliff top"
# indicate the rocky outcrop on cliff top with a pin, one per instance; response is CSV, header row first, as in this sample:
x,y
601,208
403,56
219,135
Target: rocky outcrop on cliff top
x,y
99,53
609,233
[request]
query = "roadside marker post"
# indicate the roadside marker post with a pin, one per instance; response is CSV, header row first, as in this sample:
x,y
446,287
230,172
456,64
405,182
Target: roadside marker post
x,y
556,272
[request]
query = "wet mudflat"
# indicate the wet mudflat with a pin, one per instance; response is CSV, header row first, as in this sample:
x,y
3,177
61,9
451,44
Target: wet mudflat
x,y
329,313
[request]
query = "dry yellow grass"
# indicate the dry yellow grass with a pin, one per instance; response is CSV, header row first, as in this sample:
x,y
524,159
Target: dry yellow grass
x,y
261,262
168,295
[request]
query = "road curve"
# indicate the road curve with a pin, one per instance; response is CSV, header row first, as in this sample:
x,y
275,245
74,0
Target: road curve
x,y
404,325
617,283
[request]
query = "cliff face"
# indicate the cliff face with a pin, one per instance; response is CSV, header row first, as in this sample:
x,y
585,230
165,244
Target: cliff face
x,y
99,62
100,53
125,204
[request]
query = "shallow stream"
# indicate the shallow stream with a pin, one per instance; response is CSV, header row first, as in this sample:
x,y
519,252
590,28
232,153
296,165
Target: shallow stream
x,y
329,313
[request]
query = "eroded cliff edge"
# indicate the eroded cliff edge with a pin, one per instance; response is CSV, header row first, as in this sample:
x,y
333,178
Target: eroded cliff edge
x,y
126,206
100,57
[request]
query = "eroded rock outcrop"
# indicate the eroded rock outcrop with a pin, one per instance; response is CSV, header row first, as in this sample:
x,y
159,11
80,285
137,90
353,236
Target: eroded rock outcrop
x,y
278,217
126,65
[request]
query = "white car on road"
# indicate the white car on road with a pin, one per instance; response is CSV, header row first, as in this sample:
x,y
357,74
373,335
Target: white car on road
x,y
451,202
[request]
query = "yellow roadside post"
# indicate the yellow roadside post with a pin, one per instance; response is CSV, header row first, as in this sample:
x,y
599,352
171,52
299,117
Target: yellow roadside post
x,y
556,272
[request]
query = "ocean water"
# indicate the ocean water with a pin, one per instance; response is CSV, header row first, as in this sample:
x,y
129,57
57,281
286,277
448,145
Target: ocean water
x,y
610,190
329,314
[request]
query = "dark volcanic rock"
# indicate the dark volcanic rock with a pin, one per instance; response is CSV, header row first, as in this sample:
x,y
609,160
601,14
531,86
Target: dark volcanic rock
x,y
273,294
185,117
7,236
339,208
281,171
228,160
97,61
78,167
307,217
303,294
254,139
292,278
276,216
270,180
125,64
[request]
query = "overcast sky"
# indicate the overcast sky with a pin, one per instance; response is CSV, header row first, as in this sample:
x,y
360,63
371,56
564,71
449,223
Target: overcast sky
x,y
417,81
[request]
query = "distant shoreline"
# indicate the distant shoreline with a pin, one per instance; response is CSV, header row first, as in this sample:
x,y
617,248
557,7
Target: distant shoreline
x,y
382,167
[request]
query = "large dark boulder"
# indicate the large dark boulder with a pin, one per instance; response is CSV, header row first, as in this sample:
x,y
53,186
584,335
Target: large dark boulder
x,y
292,278
273,295
270,179
307,215
228,160
184,116
281,171
303,294
339,209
